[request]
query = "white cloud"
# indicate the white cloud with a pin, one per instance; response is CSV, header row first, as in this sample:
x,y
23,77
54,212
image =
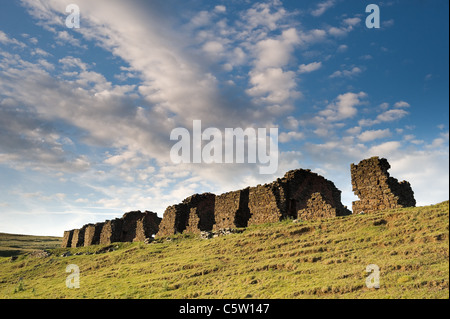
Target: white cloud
x,y
322,7
391,115
4,39
64,37
342,48
387,116
346,73
273,85
40,52
276,52
337,32
434,169
70,62
352,21
401,104
291,123
310,67
368,136
385,149
384,106
287,137
387,23
266,15
344,107
213,47
354,130
220,8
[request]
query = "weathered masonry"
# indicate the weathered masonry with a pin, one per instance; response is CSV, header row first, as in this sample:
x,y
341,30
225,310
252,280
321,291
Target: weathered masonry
x,y
133,226
194,214
376,190
298,194
294,194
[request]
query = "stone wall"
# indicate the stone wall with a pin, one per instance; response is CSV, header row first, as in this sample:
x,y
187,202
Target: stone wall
x,y
133,226
92,234
111,231
297,192
194,214
67,238
172,219
231,210
78,237
317,207
376,190
147,226
265,204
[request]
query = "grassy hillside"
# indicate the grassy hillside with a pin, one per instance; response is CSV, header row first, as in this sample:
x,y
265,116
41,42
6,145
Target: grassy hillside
x,y
316,259
13,245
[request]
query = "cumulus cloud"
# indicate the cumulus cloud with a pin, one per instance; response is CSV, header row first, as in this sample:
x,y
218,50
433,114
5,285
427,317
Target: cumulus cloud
x,y
368,136
287,137
276,52
344,107
387,116
390,116
273,85
266,15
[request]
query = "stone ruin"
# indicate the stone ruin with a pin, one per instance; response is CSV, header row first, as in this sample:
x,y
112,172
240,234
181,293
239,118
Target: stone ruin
x,y
291,195
194,214
295,193
376,190
300,194
133,226
231,210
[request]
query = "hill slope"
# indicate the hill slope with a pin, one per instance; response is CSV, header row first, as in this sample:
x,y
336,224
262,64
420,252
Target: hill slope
x,y
13,245
315,259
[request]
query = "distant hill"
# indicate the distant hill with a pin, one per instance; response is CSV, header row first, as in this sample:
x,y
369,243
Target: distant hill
x,y
305,259
13,245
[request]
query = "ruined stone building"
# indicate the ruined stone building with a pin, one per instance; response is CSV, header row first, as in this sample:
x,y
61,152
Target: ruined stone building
x,y
376,190
231,210
296,193
299,194
133,226
194,214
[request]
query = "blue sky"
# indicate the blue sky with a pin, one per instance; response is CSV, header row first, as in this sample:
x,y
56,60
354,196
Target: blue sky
x,y
86,114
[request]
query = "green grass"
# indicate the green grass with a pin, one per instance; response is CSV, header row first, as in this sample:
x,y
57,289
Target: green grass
x,y
14,245
314,259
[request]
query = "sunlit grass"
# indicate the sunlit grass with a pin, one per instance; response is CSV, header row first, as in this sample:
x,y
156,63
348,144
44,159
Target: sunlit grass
x,y
314,259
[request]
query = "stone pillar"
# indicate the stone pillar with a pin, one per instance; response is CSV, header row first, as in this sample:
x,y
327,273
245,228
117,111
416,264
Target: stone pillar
x,y
78,237
376,190
67,239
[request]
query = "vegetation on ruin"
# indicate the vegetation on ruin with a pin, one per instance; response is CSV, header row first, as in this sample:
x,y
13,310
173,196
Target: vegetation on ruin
x,y
307,259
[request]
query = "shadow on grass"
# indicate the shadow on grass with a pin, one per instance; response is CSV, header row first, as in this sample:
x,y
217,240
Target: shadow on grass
x,y
10,253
